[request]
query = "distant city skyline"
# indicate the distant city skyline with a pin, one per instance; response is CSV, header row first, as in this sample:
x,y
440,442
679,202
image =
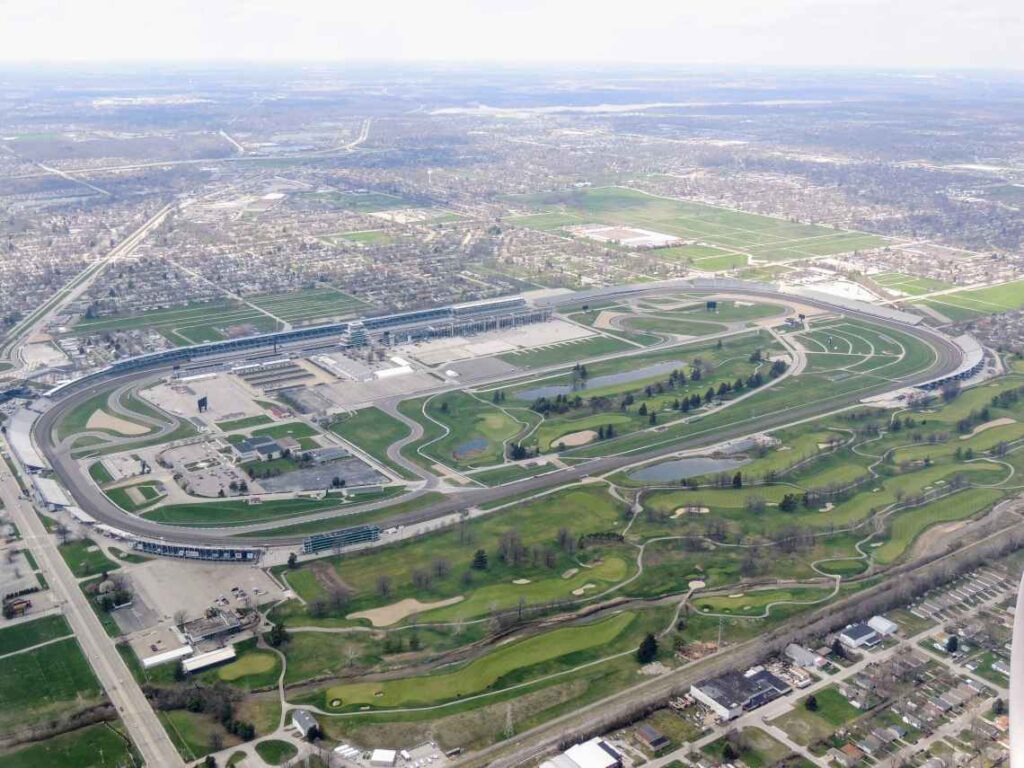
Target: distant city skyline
x,y
912,34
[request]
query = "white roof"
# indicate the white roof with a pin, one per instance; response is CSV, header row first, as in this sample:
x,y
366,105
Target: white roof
x,y
19,435
166,656
204,660
383,757
591,754
81,515
883,625
50,491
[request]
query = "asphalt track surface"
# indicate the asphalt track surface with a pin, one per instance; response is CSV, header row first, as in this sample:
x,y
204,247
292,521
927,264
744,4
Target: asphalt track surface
x,y
91,499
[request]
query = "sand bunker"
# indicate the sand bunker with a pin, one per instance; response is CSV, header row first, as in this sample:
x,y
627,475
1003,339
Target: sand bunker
x,y
690,511
102,420
583,590
520,581
387,615
696,584
988,425
574,439
570,573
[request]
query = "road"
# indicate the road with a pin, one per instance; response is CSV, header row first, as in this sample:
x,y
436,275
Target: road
x,y
134,710
91,499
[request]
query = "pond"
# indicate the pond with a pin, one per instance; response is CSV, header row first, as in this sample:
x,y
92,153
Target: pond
x,y
637,374
678,469
470,448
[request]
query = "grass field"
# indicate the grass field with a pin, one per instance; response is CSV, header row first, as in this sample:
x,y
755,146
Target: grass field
x,y
756,748
970,303
910,285
536,523
558,354
192,324
95,746
373,431
480,674
191,732
476,431
46,682
237,512
247,423
85,558
308,305
275,751
806,727
150,492
765,238
32,633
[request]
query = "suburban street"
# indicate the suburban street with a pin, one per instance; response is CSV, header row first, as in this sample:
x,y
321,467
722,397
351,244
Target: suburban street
x,y
133,708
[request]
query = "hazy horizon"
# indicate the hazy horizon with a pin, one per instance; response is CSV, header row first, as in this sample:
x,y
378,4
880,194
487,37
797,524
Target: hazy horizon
x,y
868,35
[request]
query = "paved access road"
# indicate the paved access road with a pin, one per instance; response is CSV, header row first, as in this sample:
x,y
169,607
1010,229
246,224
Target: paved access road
x,y
147,733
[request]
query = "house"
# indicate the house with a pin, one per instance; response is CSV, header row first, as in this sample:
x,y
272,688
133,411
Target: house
x,y
728,695
305,723
883,626
870,745
850,755
652,738
859,636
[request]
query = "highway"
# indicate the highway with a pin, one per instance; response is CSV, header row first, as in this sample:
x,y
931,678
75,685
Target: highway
x,y
92,500
133,708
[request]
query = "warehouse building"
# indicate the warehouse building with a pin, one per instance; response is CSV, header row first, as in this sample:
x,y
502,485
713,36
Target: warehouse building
x,y
731,694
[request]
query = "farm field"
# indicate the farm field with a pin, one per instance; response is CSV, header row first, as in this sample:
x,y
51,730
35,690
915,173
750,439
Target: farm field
x,y
764,238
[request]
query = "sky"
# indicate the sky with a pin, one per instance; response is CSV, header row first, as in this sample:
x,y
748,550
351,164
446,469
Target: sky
x,y
873,34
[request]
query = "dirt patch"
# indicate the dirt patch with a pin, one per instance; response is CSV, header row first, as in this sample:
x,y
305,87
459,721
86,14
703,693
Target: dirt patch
x,y
108,421
574,439
328,578
988,425
606,320
392,614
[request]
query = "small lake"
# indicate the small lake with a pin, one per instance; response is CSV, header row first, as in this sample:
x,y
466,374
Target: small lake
x,y
678,469
637,374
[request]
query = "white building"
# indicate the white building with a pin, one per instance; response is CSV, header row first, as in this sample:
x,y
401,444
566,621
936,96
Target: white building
x,y
596,753
883,626
383,758
858,636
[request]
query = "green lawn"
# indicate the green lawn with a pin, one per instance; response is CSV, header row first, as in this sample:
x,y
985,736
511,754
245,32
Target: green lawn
x,y
373,431
150,492
311,304
477,431
806,727
245,423
908,525
85,558
99,473
970,303
275,751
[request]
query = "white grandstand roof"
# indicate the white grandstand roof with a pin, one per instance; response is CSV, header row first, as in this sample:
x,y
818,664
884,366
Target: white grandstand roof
x,y
19,435
51,492
162,658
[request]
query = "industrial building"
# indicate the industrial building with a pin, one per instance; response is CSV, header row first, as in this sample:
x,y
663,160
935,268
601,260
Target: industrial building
x,y
596,753
859,636
731,694
217,624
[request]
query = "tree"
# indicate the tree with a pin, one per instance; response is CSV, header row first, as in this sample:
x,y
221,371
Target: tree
x,y
210,762
383,585
729,753
737,480
648,650
278,635
952,644
293,560
999,707
479,560
811,704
